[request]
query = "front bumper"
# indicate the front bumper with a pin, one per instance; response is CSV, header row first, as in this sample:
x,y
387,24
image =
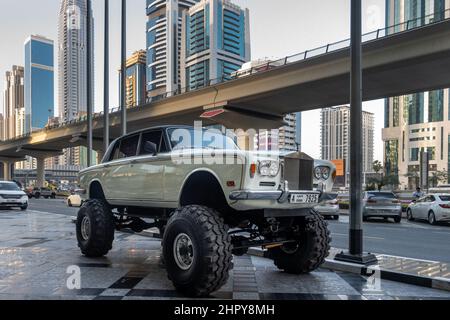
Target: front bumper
x,y
12,204
277,195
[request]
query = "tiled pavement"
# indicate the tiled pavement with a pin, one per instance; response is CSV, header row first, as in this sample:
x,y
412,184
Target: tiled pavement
x,y
37,248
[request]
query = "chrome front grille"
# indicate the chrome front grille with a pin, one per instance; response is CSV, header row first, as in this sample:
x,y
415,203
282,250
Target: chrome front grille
x,y
298,170
10,196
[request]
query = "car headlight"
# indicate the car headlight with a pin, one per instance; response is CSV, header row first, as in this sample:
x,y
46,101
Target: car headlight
x,y
269,168
322,173
325,173
318,173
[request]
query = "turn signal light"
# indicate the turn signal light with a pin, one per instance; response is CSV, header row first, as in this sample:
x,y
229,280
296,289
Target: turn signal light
x,y
253,169
371,201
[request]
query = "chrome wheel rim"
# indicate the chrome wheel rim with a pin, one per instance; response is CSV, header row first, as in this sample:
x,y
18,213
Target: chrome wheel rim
x,y
183,251
85,228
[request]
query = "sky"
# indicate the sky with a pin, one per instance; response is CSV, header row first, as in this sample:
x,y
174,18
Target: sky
x,y
278,28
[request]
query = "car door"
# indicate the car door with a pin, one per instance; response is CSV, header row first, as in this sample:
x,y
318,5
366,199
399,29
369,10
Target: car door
x,y
147,169
116,174
430,201
423,207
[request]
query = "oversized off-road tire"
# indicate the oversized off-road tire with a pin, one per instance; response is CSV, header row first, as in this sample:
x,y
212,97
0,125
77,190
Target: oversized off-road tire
x,y
310,250
95,228
197,250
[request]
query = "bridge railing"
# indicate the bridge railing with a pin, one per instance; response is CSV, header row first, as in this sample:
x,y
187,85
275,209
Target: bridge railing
x,y
269,65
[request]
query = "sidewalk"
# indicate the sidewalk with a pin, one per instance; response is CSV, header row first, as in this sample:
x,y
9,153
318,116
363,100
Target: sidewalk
x,y
37,248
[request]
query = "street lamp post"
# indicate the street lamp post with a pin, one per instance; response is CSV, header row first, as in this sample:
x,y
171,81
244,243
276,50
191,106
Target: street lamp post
x,y
106,81
89,82
123,69
355,253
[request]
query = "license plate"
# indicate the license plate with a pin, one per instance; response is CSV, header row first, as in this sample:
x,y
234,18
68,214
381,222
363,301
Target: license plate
x,y
304,198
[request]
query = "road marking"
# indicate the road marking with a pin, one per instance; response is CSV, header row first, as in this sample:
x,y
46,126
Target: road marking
x,y
365,237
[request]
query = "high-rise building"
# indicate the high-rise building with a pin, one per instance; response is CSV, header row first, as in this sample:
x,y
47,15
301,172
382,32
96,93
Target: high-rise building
x,y
39,82
287,138
135,81
335,136
215,42
72,63
13,101
421,121
2,127
164,44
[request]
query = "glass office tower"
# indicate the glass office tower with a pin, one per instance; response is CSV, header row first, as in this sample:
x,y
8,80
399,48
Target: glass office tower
x,y
215,42
164,44
39,82
416,122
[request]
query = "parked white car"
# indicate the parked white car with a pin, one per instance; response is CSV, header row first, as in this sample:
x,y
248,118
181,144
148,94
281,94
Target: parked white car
x,y
75,200
434,208
11,196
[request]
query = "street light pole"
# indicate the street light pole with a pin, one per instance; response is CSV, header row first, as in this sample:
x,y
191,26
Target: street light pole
x,y
89,82
355,253
106,82
123,70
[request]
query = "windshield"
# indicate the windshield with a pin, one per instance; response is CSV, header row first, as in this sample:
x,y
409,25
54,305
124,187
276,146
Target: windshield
x,y
445,198
388,195
190,138
7,186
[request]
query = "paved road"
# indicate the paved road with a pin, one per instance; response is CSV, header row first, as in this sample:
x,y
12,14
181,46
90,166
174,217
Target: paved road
x,y
409,239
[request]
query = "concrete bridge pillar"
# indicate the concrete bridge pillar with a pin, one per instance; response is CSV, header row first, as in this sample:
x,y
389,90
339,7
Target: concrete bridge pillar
x,y
7,170
40,172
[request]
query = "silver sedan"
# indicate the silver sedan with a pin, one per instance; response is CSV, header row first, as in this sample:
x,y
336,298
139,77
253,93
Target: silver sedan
x,y
381,204
434,208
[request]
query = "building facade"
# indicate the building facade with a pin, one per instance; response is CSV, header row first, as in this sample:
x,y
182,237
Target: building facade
x,y
39,82
335,136
72,64
13,102
417,122
2,127
164,44
135,82
215,42
287,138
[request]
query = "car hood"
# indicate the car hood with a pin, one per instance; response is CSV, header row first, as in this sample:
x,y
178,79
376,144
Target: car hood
x,y
14,193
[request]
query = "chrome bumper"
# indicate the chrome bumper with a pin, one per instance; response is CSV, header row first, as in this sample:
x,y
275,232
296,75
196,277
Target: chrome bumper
x,y
278,195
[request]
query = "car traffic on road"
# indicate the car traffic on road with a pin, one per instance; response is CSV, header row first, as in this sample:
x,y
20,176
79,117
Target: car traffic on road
x,y
382,204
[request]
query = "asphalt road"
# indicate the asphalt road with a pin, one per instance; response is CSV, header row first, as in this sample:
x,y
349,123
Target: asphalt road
x,y
409,239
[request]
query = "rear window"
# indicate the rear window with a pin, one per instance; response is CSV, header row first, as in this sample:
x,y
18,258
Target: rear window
x,y
444,198
388,195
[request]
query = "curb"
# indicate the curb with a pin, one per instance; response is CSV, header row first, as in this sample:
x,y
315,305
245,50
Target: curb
x,y
367,271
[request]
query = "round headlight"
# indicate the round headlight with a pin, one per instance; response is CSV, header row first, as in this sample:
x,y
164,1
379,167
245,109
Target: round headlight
x,y
325,173
269,168
318,173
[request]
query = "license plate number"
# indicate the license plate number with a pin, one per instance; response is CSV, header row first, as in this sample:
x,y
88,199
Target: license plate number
x,y
304,198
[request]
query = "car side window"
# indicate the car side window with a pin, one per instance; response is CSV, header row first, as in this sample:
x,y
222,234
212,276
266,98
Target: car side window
x,y
431,199
128,147
155,137
125,148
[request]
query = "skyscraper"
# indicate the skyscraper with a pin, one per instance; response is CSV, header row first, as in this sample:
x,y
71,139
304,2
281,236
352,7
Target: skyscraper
x,y
164,44
13,101
135,81
2,127
72,63
215,42
421,121
39,82
335,136
287,138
